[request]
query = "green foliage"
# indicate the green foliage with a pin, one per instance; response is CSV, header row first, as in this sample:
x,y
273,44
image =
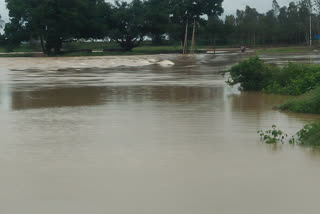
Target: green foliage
x,y
188,11
128,24
1,22
285,25
308,136
293,79
52,21
308,103
14,35
252,74
272,136
55,22
157,17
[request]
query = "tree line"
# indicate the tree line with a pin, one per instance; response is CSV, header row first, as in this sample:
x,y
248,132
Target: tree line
x,y
280,25
54,22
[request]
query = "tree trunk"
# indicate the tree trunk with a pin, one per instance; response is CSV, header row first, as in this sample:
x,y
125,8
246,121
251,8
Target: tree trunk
x,y
185,48
42,45
193,38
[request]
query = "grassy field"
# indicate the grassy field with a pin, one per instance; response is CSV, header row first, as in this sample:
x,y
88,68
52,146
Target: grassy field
x,y
283,50
143,50
74,49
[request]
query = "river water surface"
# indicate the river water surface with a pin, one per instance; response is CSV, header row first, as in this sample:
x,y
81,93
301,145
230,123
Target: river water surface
x,y
107,135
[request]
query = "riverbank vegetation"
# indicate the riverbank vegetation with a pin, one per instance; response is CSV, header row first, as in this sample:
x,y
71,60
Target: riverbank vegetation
x,y
302,80
307,103
309,135
256,75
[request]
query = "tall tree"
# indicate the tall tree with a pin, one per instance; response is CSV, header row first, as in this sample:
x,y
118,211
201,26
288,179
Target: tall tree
x,y
129,25
214,28
53,21
183,11
275,8
157,16
1,22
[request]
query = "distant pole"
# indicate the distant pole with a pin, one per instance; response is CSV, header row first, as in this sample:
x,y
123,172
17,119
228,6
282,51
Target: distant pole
x,y
185,47
310,31
193,37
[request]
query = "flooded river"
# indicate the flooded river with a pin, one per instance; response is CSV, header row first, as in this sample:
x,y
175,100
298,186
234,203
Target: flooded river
x,y
128,136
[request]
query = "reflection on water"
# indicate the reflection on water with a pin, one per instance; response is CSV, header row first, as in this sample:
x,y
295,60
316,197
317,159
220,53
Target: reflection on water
x,y
120,135
91,96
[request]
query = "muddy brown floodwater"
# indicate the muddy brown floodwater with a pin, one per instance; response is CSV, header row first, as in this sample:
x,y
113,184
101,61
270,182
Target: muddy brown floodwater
x,y
122,135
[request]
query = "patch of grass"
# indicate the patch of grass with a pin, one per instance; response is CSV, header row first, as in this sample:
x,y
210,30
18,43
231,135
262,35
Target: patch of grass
x,y
157,49
284,50
18,55
97,47
308,103
143,50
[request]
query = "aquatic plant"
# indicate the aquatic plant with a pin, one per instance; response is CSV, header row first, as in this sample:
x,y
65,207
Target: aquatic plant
x,y
308,136
273,135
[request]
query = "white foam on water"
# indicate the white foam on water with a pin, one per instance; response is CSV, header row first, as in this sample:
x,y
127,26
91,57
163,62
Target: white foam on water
x,y
165,63
50,63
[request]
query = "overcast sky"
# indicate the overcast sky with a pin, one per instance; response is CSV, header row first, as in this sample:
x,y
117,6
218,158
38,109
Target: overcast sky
x,y
230,6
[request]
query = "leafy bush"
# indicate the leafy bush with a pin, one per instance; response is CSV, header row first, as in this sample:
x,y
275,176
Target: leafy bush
x,y
252,74
293,79
308,103
310,135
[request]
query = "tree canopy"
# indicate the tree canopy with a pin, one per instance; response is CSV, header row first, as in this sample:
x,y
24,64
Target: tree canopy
x,y
128,25
1,22
54,22
280,25
183,11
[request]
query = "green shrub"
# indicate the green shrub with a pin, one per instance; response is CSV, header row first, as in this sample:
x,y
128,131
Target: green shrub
x,y
293,79
310,135
308,103
252,74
